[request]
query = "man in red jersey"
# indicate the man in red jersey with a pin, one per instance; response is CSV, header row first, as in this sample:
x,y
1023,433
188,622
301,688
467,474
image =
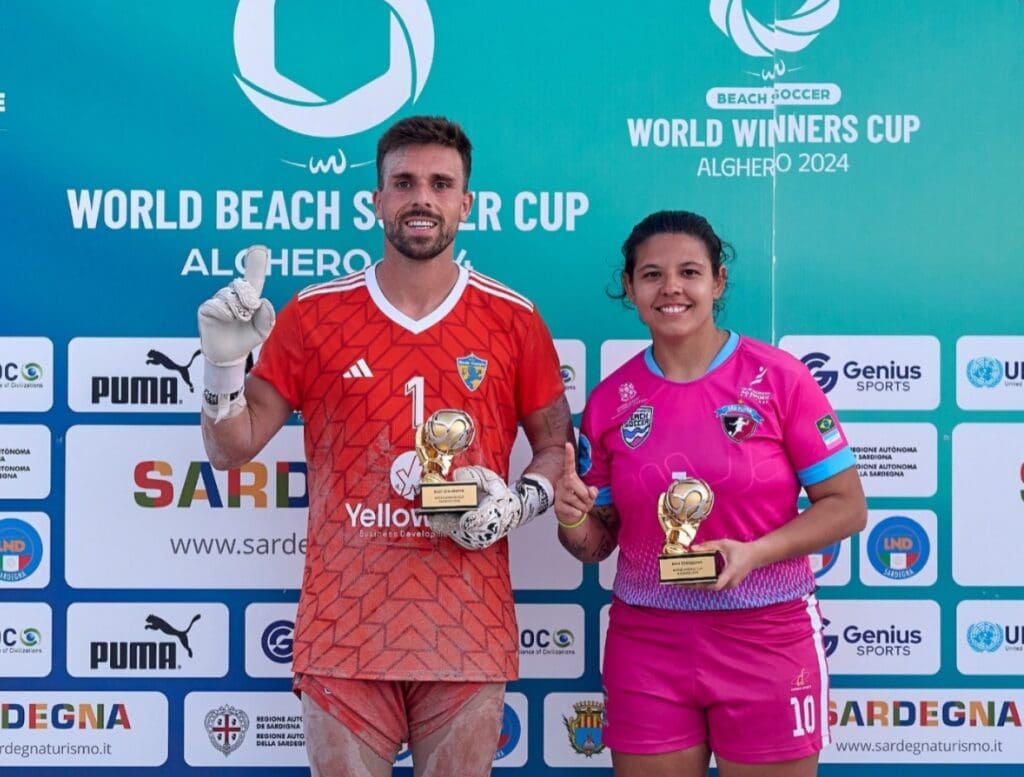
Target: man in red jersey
x,y
405,632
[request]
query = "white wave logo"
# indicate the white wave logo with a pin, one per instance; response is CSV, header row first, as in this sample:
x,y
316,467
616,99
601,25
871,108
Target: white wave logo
x,y
760,40
296,108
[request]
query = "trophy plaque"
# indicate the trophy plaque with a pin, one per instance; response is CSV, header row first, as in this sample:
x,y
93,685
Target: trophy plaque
x,y
446,434
681,509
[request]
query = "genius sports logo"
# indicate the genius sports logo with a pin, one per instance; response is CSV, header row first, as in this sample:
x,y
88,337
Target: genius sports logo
x,y
21,550
827,379
898,547
277,641
410,48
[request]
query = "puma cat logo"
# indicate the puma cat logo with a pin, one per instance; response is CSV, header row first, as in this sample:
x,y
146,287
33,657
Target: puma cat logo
x,y
156,623
156,357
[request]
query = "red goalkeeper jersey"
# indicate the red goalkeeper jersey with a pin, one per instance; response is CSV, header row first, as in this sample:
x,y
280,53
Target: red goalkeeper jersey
x,y
383,597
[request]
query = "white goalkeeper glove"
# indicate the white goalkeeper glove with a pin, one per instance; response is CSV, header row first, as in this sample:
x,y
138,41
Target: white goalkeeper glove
x,y
500,511
231,324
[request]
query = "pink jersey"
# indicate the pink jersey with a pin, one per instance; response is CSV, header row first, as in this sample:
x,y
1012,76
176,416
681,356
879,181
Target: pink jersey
x,y
756,428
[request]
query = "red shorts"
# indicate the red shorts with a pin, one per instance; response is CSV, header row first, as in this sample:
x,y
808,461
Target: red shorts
x,y
386,713
752,684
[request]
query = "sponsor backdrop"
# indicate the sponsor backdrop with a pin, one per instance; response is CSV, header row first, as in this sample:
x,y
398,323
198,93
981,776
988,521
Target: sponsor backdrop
x,y
863,159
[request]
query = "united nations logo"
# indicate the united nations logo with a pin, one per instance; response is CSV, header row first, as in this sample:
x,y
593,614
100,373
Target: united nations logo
x,y
757,39
984,372
984,637
226,727
585,727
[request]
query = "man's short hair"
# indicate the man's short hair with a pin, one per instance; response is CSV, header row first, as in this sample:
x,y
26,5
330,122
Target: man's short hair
x,y
423,131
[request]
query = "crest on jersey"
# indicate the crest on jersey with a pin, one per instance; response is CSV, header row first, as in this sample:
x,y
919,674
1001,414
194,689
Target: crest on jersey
x,y
472,370
739,422
638,427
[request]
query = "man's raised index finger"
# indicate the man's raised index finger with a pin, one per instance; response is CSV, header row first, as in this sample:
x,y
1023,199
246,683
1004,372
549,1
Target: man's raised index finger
x,y
255,265
570,460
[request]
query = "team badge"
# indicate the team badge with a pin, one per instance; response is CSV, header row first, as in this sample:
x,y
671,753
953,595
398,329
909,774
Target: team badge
x,y
638,427
827,429
585,458
226,726
472,370
585,727
739,422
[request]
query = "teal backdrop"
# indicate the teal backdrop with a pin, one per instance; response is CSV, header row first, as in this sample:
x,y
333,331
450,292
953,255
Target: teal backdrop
x,y
862,158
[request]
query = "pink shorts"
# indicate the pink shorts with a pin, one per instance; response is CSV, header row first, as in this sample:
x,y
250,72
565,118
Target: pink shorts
x,y
752,684
386,713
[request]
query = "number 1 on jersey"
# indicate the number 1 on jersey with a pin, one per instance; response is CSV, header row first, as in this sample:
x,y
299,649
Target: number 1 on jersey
x,y
415,387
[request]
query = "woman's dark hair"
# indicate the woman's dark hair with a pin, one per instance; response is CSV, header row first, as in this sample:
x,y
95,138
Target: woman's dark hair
x,y
673,222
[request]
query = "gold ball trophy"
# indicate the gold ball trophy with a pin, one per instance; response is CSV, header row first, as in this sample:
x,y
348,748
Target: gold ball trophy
x,y
682,508
445,435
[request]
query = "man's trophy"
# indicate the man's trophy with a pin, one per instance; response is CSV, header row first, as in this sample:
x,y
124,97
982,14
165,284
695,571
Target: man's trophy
x,y
446,434
681,509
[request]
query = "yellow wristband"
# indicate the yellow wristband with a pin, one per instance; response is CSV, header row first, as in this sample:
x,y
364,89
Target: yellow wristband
x,y
573,525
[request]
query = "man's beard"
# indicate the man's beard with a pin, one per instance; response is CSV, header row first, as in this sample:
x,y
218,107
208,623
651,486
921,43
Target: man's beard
x,y
418,247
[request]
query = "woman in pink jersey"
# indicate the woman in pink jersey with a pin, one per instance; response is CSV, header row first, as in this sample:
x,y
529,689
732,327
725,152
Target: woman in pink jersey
x,y
734,667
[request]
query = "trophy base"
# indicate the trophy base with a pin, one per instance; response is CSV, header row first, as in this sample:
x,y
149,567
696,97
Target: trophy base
x,y
689,569
448,497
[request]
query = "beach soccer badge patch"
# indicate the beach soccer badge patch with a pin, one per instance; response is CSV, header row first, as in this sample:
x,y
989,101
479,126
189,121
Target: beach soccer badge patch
x,y
472,370
638,427
739,422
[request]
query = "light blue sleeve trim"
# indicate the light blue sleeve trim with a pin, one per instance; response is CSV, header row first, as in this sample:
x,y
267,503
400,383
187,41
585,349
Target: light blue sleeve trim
x,y
826,468
604,497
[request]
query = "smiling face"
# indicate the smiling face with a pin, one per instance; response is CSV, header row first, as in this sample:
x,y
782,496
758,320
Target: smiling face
x,y
422,199
674,286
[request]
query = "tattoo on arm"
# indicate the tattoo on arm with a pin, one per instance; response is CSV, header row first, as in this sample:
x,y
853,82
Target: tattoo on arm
x,y
600,539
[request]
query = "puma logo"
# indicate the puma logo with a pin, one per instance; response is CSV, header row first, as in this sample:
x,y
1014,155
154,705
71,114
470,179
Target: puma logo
x,y
156,357
156,623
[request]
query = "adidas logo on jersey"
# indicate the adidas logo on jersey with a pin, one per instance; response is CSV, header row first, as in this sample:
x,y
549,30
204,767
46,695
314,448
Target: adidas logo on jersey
x,y
358,370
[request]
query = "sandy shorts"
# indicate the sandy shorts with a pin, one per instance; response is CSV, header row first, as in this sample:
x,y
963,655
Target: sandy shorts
x,y
384,714
752,684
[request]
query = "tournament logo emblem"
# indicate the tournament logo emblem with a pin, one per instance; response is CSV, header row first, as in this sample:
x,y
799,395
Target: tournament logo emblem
x,y
739,422
984,637
627,391
511,732
757,39
898,547
585,727
226,727
638,427
472,370
21,550
293,106
984,372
